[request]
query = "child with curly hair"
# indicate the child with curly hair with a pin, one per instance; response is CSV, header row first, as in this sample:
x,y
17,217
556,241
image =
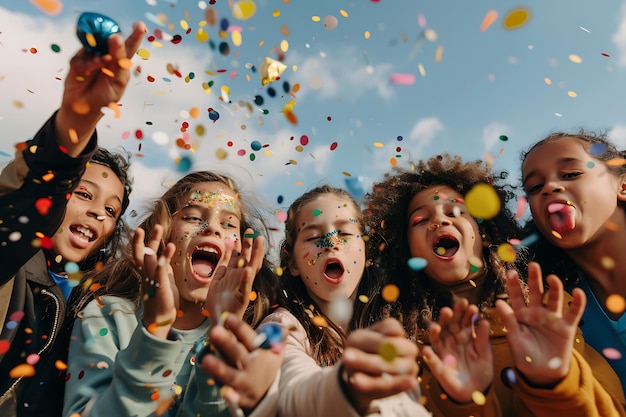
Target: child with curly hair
x,y
447,267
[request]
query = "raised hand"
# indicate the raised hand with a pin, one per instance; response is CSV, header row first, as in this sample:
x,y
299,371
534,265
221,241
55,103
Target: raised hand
x,y
94,82
239,363
378,362
231,285
461,360
160,294
540,336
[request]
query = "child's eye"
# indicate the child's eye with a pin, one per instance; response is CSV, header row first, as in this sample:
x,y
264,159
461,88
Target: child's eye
x,y
111,211
83,194
571,174
534,188
344,233
418,220
313,239
192,219
228,225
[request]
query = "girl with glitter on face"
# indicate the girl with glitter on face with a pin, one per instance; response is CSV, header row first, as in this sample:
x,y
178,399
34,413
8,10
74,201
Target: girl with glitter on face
x,y
144,319
333,365
522,359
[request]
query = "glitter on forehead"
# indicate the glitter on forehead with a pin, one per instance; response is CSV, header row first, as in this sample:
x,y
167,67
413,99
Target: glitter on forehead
x,y
210,199
330,240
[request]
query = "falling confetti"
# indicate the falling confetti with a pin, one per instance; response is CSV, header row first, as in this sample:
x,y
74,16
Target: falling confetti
x,y
516,18
482,202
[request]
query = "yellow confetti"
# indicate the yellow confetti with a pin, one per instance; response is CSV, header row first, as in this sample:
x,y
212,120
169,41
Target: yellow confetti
x,y
236,38
319,321
378,145
244,9
572,94
516,18
202,36
575,59
367,34
279,271
556,234
478,398
143,53
482,201
607,262
284,45
343,13
316,18
91,40
388,351
506,252
276,13
363,298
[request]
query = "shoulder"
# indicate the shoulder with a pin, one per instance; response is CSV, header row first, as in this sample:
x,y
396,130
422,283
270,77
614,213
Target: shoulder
x,y
106,306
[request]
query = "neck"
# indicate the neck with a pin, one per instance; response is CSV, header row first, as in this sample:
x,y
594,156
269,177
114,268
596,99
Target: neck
x,y
470,288
193,314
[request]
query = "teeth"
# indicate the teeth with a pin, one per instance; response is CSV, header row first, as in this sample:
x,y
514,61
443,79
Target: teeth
x,y
206,249
85,231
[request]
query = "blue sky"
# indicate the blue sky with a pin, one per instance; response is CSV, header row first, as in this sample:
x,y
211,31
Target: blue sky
x,y
470,88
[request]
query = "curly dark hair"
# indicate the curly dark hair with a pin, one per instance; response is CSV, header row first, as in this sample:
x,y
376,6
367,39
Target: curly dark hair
x,y
122,279
120,164
327,342
554,260
386,218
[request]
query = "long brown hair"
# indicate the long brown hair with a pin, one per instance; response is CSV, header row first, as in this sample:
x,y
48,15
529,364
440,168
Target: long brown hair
x,y
122,279
327,342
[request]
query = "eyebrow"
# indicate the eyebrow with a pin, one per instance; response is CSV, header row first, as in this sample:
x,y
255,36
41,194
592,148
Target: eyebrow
x,y
97,186
560,161
337,224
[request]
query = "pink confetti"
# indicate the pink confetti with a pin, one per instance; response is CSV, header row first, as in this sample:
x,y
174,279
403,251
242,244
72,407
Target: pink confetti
x,y
402,79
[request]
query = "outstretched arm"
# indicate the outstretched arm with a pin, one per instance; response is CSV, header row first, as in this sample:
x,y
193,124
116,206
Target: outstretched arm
x,y
540,336
94,82
460,357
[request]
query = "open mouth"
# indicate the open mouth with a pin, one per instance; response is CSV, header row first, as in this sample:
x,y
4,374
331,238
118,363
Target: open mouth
x,y
334,270
562,217
446,247
83,232
204,259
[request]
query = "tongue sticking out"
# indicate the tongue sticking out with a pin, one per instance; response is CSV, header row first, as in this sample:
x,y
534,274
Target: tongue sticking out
x,y
562,217
203,267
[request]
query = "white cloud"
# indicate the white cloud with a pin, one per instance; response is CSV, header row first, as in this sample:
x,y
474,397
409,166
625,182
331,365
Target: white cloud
x,y
618,136
491,134
619,38
424,131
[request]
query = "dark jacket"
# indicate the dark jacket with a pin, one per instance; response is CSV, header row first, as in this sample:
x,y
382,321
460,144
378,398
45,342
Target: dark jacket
x,y
32,306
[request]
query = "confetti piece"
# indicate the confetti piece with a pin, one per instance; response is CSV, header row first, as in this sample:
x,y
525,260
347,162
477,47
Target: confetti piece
x,y
478,398
490,17
244,9
506,252
516,18
402,79
612,353
330,22
575,59
270,70
340,309
417,264
23,370
390,293
388,351
607,262
555,363
43,205
50,7
482,201
615,303
556,234
319,321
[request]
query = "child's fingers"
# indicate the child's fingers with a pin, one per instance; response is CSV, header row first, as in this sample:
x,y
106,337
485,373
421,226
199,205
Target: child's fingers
x,y
242,331
382,386
138,246
535,284
375,364
576,308
246,244
387,327
134,39
481,342
219,369
255,259
507,315
516,296
555,295
228,346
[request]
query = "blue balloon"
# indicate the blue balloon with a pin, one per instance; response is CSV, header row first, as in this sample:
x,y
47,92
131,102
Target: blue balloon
x,y
355,187
100,28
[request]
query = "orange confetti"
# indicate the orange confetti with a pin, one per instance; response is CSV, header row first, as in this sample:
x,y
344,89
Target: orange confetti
x,y
125,63
50,7
80,107
490,17
23,370
116,110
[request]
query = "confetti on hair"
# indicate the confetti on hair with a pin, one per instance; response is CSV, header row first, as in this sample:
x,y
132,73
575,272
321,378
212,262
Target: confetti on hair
x,y
390,293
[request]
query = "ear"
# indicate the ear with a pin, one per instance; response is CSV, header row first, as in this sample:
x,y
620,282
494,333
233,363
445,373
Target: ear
x,y
293,269
621,192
